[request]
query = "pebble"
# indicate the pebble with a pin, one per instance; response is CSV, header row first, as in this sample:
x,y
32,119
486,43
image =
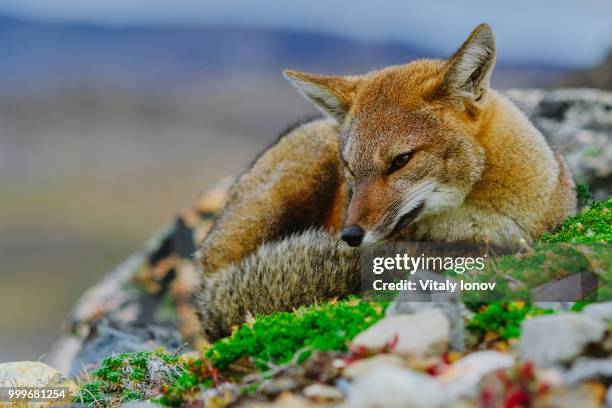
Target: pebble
x,y
462,378
364,366
558,338
601,311
322,392
394,387
448,303
422,334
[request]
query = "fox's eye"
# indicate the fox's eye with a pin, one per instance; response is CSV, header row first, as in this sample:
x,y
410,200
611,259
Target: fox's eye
x,y
398,162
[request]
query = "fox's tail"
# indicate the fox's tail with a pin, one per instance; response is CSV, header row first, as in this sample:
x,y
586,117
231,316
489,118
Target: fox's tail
x,y
283,275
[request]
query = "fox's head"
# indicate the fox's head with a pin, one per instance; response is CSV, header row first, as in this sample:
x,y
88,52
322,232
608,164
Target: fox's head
x,y
409,135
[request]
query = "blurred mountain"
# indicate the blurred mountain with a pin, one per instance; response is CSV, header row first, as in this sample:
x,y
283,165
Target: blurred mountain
x,y
599,76
38,55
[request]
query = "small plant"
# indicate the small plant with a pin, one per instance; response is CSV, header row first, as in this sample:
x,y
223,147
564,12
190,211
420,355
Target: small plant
x,y
129,377
584,195
503,319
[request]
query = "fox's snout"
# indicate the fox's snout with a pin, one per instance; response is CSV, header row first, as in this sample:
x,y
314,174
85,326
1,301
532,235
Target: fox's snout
x,y
352,235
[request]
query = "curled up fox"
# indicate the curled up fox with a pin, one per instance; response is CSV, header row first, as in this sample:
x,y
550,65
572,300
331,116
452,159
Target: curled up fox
x,y
419,152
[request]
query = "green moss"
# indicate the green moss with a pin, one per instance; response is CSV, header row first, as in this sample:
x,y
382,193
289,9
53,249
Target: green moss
x,y
123,378
91,392
503,318
592,225
277,337
130,395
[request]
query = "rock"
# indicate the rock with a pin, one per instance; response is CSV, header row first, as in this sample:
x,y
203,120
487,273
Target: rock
x,y
364,366
322,392
392,387
589,369
139,404
609,398
578,122
109,337
601,311
220,396
275,386
34,374
558,338
426,333
588,395
449,303
285,400
462,378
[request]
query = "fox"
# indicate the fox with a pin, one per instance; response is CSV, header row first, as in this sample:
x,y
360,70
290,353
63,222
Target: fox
x,y
421,152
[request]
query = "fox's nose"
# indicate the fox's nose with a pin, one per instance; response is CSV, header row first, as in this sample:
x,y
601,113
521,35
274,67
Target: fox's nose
x,y
352,235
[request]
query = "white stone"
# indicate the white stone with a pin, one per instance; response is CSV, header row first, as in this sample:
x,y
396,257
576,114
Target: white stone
x,y
364,366
322,392
589,369
34,374
462,378
422,334
601,311
30,374
558,338
394,387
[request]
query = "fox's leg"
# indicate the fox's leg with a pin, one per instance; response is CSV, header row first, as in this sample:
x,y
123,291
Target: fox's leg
x,y
296,184
300,269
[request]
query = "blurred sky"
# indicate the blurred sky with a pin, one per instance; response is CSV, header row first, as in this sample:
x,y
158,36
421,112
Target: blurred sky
x,y
562,32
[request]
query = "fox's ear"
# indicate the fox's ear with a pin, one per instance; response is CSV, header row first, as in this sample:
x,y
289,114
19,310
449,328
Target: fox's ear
x,y
470,67
331,94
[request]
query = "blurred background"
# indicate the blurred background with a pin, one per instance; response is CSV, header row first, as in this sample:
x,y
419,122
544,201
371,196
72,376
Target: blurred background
x,y
116,114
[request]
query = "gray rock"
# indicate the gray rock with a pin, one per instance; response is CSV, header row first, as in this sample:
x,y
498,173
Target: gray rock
x,y
107,338
426,333
140,404
578,122
589,368
601,311
449,303
559,338
392,387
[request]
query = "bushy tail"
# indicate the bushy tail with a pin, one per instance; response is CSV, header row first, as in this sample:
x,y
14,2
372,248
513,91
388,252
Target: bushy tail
x,y
283,275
